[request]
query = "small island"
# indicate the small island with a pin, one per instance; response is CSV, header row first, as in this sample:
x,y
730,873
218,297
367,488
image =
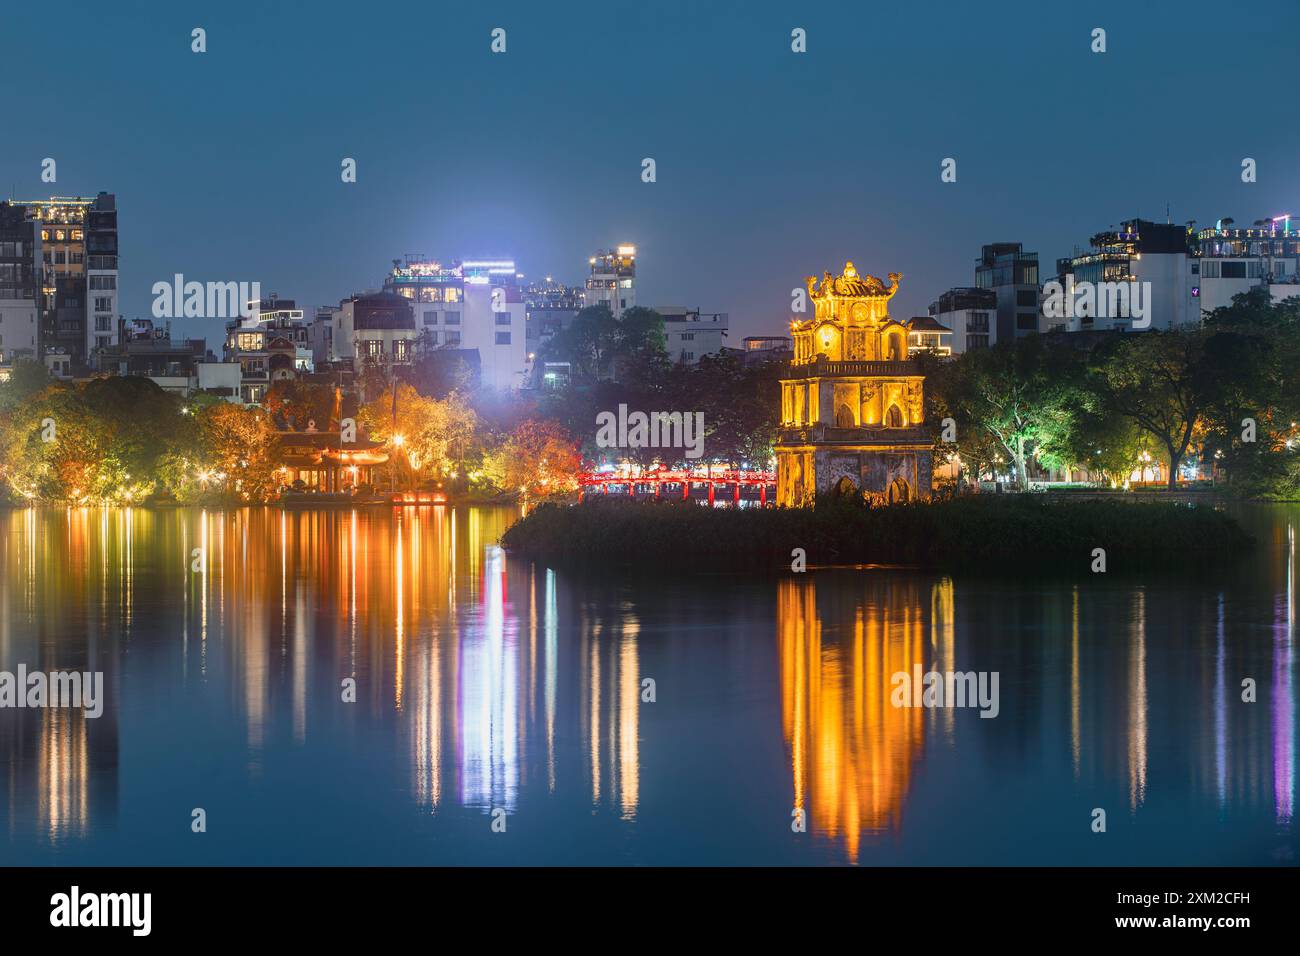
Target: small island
x,y
1021,531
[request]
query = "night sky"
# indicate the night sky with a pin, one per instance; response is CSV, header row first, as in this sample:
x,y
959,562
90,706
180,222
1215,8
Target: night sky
x,y
771,165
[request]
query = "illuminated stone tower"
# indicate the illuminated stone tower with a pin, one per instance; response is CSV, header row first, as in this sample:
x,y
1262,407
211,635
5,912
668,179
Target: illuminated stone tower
x,y
852,404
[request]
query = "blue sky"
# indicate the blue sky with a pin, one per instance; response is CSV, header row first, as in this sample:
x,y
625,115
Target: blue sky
x,y
770,165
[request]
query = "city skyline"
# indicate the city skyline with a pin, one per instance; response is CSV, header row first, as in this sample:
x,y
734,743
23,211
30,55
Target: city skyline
x,y
540,165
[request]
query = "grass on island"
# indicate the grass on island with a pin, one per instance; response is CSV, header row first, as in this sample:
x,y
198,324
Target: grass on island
x,y
1011,533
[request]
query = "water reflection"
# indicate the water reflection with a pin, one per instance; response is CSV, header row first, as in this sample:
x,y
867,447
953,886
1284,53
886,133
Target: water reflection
x,y
1138,687
485,682
852,752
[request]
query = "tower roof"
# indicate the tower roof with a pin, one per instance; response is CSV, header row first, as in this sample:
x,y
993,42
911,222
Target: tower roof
x,y
850,284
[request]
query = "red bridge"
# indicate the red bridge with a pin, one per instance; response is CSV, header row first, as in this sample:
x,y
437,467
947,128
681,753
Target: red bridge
x,y
648,481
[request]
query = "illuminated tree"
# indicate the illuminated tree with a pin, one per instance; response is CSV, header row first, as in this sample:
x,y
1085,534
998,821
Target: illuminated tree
x,y
1154,380
538,459
239,450
427,436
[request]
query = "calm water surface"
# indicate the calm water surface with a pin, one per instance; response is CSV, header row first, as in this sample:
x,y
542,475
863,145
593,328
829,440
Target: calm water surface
x,y
486,682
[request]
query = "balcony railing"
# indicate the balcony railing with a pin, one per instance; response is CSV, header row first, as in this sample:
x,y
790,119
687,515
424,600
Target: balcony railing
x,y
821,367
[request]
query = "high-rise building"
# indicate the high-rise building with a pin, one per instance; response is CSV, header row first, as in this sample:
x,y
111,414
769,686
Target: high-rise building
x,y
971,315
473,304
613,279
1012,275
1227,261
550,307
78,275
19,288
1156,255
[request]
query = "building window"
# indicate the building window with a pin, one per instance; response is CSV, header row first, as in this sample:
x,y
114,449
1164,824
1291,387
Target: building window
x,y
433,337
977,342
451,295
503,318
1233,270
452,318
1027,320
103,303
400,352
688,356
503,338
103,282
688,336
60,257
431,318
102,323
1026,297
374,348
977,321
453,337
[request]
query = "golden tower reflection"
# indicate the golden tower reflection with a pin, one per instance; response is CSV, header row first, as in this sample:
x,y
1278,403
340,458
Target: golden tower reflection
x,y
852,752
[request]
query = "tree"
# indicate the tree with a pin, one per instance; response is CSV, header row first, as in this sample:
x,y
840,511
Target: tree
x,y
239,450
640,351
538,459
1018,394
99,440
588,344
26,378
1153,379
428,435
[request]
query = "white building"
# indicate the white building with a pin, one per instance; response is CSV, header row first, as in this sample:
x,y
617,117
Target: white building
x,y
613,279
475,304
219,378
375,327
1229,261
970,314
18,330
689,335
1154,255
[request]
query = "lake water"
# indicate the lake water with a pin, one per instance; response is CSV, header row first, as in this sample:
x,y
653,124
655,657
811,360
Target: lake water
x,y
490,688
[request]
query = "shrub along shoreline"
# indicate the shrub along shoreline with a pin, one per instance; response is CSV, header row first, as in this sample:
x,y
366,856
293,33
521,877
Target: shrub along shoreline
x,y
1018,532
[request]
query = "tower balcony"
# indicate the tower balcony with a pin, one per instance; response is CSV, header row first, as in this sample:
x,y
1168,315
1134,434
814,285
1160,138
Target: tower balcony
x,y
822,367
821,433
